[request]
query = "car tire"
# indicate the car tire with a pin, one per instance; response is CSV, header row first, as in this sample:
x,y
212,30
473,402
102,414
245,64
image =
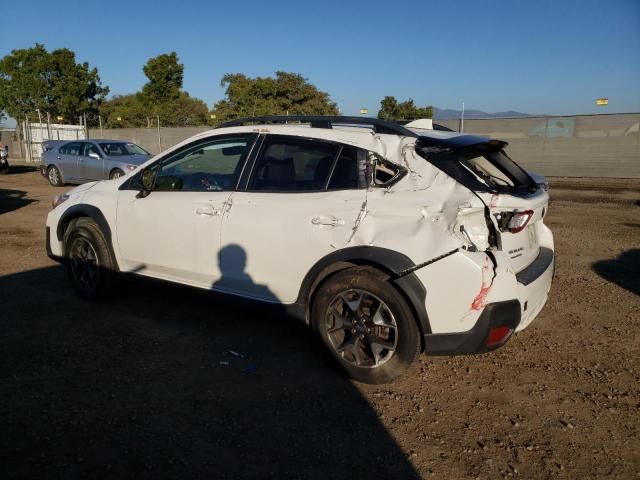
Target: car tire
x,y
116,173
54,177
90,264
366,324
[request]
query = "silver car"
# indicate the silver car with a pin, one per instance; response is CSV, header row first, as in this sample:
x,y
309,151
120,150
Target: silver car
x,y
80,161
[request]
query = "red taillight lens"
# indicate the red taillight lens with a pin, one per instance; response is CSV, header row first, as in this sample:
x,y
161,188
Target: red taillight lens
x,y
497,336
519,220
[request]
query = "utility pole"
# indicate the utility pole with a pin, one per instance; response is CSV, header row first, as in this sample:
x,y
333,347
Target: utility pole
x,y
159,139
462,119
100,123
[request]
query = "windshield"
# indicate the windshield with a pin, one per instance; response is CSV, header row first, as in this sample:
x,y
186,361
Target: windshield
x,y
114,149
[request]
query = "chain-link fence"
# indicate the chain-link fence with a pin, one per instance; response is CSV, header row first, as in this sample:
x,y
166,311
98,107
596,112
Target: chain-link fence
x,y
572,146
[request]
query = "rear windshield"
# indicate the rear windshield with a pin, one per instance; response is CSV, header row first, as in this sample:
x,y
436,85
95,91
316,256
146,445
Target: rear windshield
x,y
485,165
114,149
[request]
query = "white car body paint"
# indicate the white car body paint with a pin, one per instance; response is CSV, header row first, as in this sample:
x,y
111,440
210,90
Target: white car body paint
x,y
425,215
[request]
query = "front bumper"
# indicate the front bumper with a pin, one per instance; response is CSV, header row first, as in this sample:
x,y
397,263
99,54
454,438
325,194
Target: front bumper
x,y
50,253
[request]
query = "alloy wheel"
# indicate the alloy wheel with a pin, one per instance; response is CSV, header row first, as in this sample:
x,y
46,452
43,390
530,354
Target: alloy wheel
x,y
361,328
84,263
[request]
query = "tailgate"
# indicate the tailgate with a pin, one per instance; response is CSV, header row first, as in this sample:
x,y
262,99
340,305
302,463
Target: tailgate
x,y
516,203
518,221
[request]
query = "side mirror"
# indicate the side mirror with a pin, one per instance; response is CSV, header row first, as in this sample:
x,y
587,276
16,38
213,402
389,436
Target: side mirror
x,y
145,181
94,155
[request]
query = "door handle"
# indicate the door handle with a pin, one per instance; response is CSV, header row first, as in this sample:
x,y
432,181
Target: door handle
x,y
59,157
207,211
327,221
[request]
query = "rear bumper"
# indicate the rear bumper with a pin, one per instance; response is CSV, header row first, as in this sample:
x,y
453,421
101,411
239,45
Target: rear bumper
x,y
495,315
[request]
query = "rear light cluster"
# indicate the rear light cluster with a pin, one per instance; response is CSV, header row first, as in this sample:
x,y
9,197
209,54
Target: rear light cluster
x,y
514,222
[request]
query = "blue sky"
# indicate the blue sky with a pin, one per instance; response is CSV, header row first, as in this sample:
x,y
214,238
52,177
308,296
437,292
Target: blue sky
x,y
541,56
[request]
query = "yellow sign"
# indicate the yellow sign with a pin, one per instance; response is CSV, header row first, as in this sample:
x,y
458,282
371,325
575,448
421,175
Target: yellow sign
x,y
119,119
602,101
213,116
364,111
60,117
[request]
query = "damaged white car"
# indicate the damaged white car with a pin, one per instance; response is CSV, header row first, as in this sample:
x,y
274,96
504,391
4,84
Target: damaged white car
x,y
388,240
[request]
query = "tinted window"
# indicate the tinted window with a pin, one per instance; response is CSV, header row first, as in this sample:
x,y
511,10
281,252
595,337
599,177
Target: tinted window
x,y
350,169
89,148
71,148
293,164
213,165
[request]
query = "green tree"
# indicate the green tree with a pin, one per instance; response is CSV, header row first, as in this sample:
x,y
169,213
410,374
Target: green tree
x,y
34,79
287,93
165,74
161,97
390,109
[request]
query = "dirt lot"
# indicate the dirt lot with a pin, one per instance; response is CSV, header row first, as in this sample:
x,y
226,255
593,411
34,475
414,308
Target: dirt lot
x,y
137,388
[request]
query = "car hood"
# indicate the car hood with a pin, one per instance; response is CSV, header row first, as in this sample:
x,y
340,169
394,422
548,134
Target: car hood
x,y
130,159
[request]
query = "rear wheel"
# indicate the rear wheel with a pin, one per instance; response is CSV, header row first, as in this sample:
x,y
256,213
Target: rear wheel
x,y
116,173
53,174
366,325
90,265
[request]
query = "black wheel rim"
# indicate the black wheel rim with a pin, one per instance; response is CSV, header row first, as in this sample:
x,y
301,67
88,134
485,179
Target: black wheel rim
x,y
361,328
116,174
84,264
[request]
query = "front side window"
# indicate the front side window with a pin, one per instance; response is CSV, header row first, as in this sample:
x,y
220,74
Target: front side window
x,y
118,149
212,165
292,164
90,148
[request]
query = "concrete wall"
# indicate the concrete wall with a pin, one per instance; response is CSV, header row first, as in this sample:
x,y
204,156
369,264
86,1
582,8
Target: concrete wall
x,y
577,146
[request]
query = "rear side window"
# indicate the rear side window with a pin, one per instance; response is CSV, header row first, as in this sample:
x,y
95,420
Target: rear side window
x,y
289,164
71,148
350,169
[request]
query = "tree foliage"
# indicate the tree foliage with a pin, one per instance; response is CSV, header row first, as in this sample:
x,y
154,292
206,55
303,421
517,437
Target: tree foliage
x,y
287,93
165,76
390,109
161,97
34,79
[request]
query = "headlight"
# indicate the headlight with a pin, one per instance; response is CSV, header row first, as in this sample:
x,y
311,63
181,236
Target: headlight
x,y
131,167
58,199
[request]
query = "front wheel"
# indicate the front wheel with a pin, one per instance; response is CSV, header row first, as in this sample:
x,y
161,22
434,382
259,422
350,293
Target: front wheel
x,y
116,173
90,265
366,325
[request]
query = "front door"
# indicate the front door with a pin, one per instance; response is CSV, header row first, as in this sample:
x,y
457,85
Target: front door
x,y
174,232
90,167
302,201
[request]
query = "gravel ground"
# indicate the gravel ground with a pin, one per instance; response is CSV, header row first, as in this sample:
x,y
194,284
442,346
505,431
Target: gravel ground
x,y
152,384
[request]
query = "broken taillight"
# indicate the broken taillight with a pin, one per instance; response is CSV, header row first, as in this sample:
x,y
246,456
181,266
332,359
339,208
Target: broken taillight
x,y
498,336
514,222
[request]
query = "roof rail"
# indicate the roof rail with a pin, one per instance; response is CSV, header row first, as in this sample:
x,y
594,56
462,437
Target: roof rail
x,y
322,121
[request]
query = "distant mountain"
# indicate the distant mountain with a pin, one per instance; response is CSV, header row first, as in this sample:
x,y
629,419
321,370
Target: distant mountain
x,y
448,114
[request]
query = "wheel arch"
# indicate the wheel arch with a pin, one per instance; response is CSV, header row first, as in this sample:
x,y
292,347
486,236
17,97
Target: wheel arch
x,y
386,261
83,210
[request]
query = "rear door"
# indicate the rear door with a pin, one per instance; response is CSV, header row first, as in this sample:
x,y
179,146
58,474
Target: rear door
x,y
68,160
302,199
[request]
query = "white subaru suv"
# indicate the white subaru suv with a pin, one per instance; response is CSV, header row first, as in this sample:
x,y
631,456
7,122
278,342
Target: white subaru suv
x,y
387,240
